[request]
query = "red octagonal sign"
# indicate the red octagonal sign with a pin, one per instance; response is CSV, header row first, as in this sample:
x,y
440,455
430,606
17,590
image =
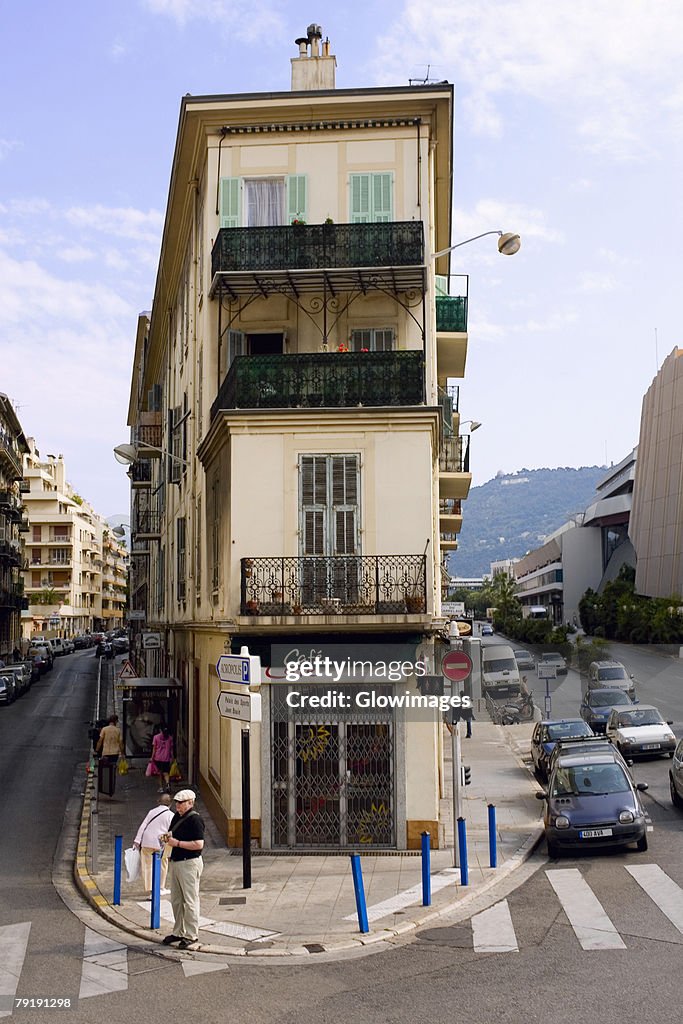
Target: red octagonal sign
x,y
456,666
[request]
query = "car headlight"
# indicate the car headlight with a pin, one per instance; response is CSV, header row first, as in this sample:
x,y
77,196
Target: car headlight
x,y
561,821
626,743
626,817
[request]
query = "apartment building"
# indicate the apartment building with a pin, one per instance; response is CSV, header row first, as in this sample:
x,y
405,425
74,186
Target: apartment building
x,y
75,578
298,467
13,525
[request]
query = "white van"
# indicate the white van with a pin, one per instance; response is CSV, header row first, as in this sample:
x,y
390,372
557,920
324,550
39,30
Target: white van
x,y
499,671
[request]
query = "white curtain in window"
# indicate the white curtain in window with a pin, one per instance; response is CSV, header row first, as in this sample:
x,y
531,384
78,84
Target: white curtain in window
x,y
265,202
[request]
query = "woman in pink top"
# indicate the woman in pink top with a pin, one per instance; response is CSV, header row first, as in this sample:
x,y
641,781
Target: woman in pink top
x,y
162,755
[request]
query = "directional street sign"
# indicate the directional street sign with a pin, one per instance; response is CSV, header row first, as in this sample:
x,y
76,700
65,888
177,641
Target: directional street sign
x,y
244,707
456,666
546,671
243,669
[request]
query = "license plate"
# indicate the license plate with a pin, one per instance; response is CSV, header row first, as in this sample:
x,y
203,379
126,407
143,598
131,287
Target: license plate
x,y
651,746
595,833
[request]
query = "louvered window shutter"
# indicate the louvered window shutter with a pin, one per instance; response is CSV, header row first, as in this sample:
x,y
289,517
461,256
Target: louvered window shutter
x,y
297,190
382,188
313,510
360,199
236,345
345,504
229,202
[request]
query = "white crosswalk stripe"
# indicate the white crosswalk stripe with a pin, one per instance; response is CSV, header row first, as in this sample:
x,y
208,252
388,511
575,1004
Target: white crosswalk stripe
x,y
13,943
493,931
105,966
662,890
591,925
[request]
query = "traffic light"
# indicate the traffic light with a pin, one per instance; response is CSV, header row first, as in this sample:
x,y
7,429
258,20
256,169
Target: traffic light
x,y
430,686
466,774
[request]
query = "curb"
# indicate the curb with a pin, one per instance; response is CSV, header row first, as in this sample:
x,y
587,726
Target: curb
x,y
90,890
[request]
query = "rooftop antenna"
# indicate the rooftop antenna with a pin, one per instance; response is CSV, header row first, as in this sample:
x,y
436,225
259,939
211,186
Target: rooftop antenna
x,y
427,79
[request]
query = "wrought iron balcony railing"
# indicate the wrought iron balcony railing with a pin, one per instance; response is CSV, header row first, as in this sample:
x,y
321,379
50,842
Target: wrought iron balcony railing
x,y
313,380
454,456
140,473
451,313
318,247
11,458
334,585
147,522
449,399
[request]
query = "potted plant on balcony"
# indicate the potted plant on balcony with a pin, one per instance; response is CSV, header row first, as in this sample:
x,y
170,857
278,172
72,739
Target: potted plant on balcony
x,y
252,607
415,603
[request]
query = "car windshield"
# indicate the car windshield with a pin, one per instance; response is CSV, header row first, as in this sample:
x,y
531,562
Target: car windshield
x,y
500,665
604,698
630,719
589,780
616,672
563,729
551,657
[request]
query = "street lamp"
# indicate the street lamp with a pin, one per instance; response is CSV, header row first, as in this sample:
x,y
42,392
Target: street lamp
x,y
508,243
127,454
474,425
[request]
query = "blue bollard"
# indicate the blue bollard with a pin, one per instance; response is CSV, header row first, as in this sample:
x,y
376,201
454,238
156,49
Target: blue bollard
x,y
155,908
118,858
359,891
462,846
426,871
493,837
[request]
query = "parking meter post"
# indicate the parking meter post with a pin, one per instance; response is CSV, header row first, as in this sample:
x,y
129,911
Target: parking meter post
x,y
246,812
426,871
457,782
118,858
493,836
462,844
155,908
359,892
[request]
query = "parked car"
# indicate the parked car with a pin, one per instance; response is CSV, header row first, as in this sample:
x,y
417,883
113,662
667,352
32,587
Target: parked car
x,y
640,730
676,776
82,642
553,659
487,629
46,647
8,689
40,658
546,735
120,644
592,801
69,646
524,660
611,675
499,672
597,706
573,745
23,674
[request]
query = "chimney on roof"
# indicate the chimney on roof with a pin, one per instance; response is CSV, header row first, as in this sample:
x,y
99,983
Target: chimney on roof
x,y
313,70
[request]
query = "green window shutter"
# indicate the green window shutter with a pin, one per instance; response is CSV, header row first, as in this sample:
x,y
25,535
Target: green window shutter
x,y
230,202
360,198
297,191
382,195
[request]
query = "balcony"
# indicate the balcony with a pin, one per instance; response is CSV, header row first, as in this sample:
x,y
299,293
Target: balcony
x,y
448,541
147,525
450,516
449,400
10,459
24,486
314,380
309,257
140,474
334,585
454,467
451,336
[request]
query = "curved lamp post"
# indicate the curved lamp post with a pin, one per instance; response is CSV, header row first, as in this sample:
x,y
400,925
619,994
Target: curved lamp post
x,y
508,243
126,454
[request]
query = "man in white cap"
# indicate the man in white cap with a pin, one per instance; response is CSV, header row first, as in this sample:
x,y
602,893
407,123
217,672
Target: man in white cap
x,y
186,839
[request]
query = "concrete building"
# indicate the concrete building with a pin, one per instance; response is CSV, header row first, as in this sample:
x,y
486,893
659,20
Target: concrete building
x,y
299,470
69,587
588,551
13,525
656,524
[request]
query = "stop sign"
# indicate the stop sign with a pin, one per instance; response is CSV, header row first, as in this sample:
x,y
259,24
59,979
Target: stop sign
x,y
456,666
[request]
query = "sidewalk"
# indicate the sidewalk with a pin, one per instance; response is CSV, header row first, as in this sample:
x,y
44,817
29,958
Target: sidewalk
x,y
300,905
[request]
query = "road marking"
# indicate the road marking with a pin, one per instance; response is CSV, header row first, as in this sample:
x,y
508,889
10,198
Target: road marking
x,y
105,966
591,925
662,890
493,931
192,967
207,924
13,943
408,896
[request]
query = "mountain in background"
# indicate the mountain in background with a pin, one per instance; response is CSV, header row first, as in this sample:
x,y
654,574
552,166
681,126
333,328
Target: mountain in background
x,y
515,512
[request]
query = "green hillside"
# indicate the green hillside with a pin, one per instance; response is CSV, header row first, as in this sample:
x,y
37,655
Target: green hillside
x,y
515,512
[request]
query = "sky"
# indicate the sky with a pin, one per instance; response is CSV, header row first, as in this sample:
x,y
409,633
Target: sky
x,y
568,122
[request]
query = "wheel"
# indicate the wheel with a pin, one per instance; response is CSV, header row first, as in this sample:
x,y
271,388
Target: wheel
x,y
670,754
675,798
641,845
553,849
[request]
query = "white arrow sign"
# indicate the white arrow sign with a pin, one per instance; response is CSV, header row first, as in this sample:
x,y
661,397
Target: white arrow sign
x,y
245,707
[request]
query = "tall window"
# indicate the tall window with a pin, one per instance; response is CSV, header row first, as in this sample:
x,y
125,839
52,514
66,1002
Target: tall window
x,y
180,558
371,197
264,201
372,339
198,547
329,526
215,536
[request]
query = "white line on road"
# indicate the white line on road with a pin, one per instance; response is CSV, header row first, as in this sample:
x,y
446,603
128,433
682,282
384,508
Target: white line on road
x,y
592,926
662,890
13,943
207,924
105,966
493,931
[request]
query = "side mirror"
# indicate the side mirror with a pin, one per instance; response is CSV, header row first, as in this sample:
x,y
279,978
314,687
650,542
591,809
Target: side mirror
x,y
542,795
629,762
669,721
642,786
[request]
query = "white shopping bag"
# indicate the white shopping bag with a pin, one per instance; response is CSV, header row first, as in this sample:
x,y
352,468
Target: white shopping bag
x,y
132,860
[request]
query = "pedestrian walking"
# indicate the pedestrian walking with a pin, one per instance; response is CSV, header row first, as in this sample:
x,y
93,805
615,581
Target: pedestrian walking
x,y
162,755
148,841
186,839
110,743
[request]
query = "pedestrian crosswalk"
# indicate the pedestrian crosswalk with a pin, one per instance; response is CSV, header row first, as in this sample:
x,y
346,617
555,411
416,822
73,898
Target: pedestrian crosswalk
x,y
493,930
